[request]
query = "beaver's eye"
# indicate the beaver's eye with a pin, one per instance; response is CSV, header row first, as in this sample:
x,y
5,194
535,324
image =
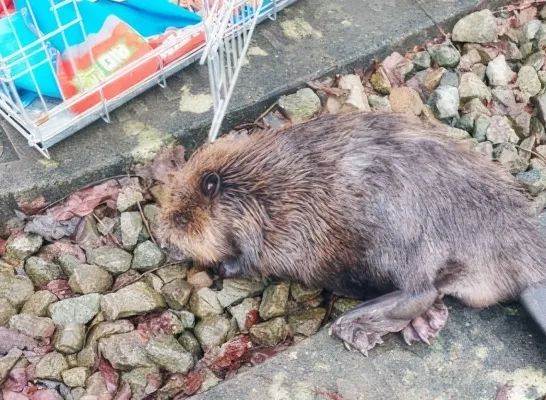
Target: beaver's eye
x,y
211,185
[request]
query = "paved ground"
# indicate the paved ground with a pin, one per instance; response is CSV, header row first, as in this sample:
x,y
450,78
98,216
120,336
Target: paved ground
x,y
311,39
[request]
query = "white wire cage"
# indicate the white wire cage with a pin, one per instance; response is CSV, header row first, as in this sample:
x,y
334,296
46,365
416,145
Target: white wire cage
x,y
47,93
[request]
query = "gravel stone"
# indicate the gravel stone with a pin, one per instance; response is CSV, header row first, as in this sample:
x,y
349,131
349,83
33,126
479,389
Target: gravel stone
x,y
20,247
343,305
148,256
8,362
68,263
379,103
88,356
537,163
301,106
95,388
472,87
529,31
466,122
138,380
16,289
476,106
186,318
135,299
507,154
534,180
115,261
505,96
78,310
78,394
450,78
212,331
90,279
6,311
42,272
270,333
169,354
405,100
126,351
480,71
241,312
526,146
528,81
131,228
522,124
172,272
75,377
445,55
274,301
177,293
478,27
38,303
30,325
481,125
421,60
204,303
535,60
457,134
235,290
154,282
500,131
51,366
199,280
6,268
380,82
432,79
444,102
356,99
301,293
69,338
191,344
107,225
499,72
128,198
306,322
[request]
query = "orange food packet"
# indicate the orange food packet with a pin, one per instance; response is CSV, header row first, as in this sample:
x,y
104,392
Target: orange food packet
x,y
114,47
178,42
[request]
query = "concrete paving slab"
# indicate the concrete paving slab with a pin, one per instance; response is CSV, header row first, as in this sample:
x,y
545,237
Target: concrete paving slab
x,y
310,39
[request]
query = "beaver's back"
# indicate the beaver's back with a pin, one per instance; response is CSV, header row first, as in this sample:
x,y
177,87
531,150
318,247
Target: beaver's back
x,y
425,208
349,200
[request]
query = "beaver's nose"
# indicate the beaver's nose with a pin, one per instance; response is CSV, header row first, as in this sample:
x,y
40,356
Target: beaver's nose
x,y
176,255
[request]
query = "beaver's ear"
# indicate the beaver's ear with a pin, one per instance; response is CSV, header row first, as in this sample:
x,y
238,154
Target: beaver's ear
x,y
210,186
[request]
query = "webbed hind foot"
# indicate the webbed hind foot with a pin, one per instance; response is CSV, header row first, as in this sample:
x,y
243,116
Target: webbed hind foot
x,y
364,326
427,325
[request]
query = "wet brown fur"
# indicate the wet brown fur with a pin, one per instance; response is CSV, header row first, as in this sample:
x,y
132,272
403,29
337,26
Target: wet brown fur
x,y
348,201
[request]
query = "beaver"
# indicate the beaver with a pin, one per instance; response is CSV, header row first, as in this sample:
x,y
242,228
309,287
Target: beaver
x,y
357,201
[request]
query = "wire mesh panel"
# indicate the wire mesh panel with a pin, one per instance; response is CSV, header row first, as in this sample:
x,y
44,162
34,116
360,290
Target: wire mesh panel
x,y
62,66
229,27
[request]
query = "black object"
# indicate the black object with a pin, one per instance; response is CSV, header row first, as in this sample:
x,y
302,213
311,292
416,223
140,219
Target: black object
x,y
534,301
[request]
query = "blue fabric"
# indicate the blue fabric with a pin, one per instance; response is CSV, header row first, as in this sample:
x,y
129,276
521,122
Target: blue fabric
x,y
43,74
147,17
247,11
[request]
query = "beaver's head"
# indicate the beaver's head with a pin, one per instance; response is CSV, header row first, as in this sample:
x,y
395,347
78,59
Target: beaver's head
x,y
211,209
